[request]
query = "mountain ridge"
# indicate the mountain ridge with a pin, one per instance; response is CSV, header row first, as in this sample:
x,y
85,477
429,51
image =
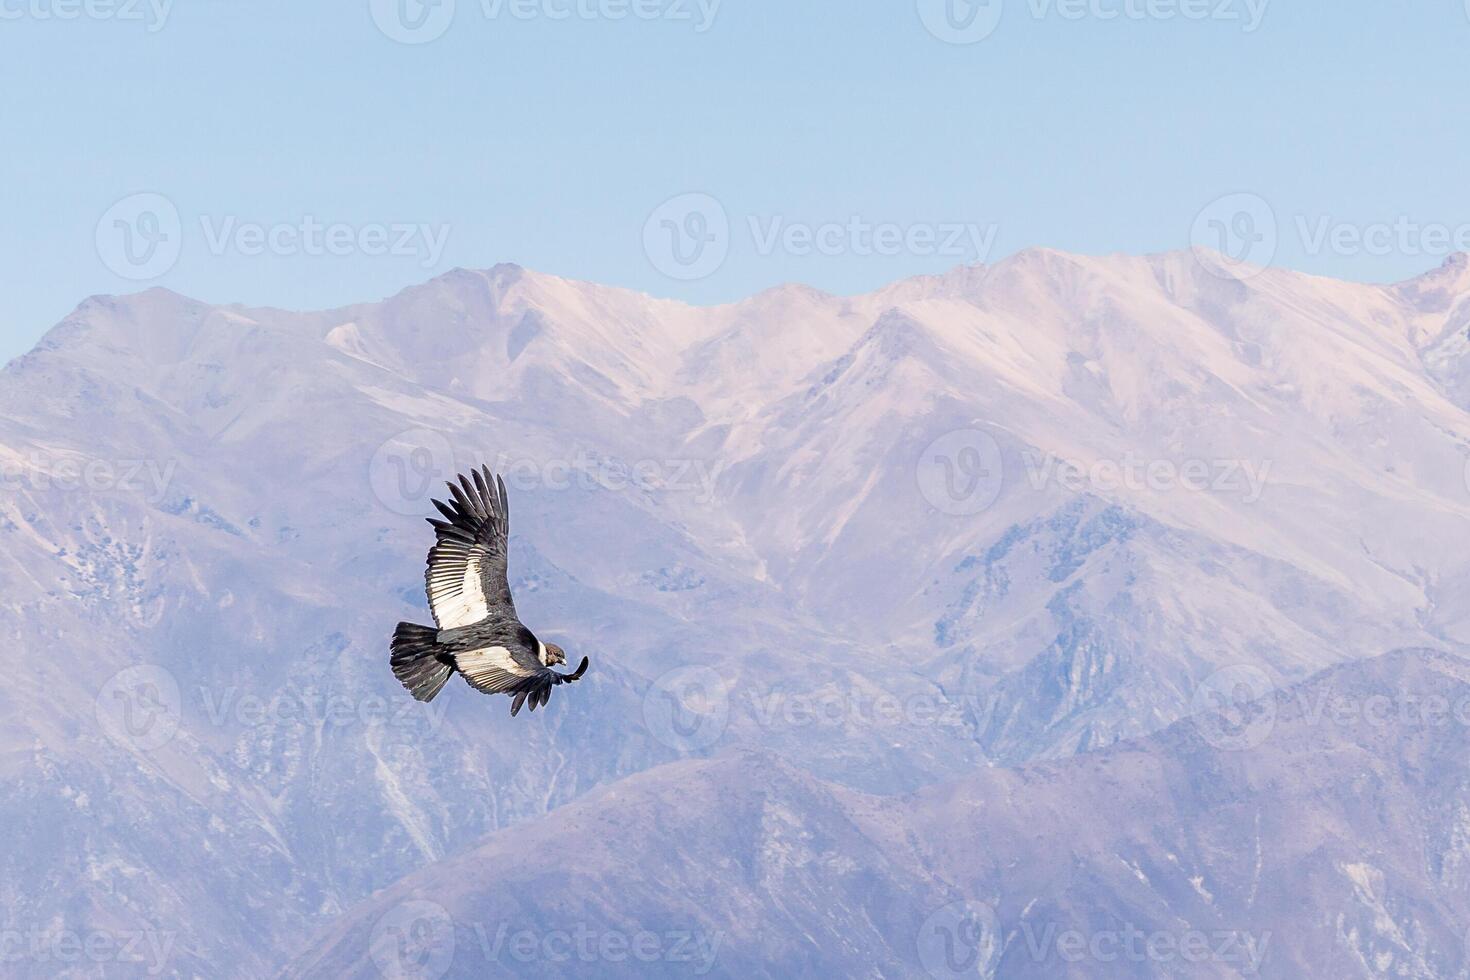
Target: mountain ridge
x,y
1006,515
1451,277
949,844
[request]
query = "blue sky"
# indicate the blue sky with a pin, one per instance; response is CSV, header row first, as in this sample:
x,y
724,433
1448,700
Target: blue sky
x,y
839,144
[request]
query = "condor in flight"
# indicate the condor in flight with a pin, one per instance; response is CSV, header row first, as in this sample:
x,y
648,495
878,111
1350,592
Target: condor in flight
x,y
478,634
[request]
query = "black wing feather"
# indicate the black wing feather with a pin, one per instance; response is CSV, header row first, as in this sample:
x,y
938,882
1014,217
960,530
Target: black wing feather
x,y
534,691
466,578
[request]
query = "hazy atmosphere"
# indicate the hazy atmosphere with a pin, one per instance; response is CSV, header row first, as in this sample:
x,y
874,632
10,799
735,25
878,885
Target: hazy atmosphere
x,y
546,132
628,488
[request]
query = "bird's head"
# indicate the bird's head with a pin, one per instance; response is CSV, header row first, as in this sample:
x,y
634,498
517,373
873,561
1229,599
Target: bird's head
x,y
555,655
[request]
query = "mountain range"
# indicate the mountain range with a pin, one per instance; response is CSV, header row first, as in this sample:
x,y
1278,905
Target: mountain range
x,y
896,603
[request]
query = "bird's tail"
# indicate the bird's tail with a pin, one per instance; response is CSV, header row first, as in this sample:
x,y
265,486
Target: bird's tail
x,y
416,660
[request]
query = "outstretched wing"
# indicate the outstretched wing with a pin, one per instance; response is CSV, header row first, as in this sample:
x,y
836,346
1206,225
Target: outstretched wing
x,y
466,578
497,671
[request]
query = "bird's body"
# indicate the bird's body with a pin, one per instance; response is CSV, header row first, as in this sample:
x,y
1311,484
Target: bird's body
x,y
477,632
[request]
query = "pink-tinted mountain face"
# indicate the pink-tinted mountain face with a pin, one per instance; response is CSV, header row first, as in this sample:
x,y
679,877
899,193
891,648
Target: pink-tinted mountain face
x,y
952,533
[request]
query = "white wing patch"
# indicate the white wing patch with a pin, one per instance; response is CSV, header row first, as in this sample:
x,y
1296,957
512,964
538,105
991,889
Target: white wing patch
x,y
457,600
491,669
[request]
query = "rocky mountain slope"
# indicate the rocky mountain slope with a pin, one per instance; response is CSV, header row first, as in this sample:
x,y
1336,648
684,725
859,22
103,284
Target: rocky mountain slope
x,y
999,516
1331,845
